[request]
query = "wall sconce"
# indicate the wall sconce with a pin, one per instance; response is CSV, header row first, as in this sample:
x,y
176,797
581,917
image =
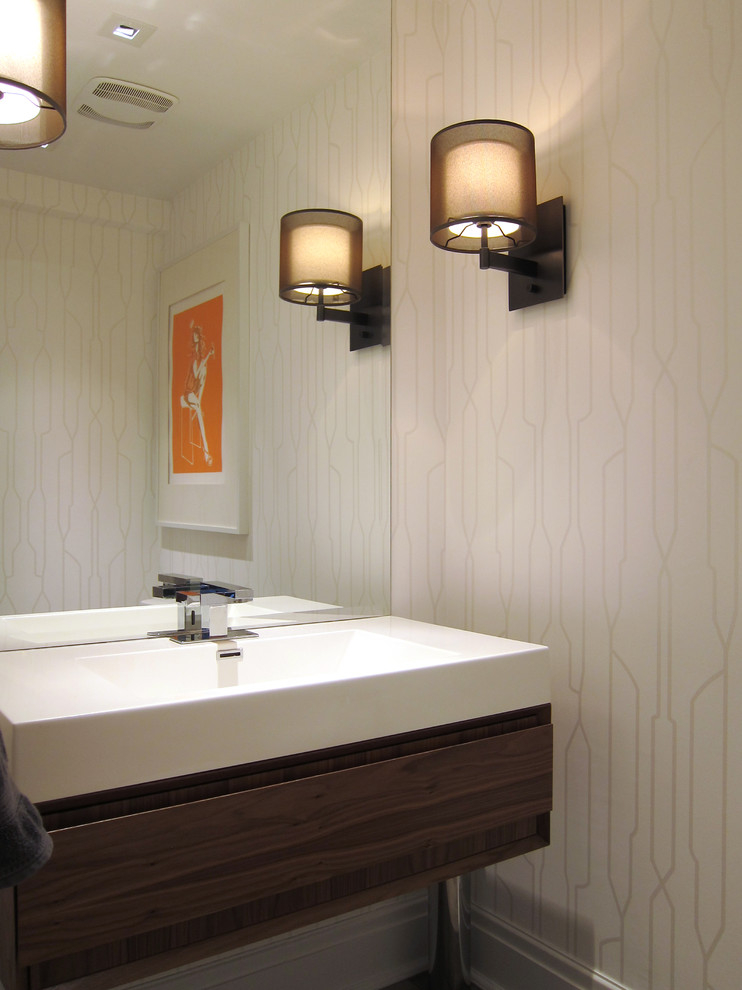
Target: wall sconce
x,y
321,265
483,199
33,85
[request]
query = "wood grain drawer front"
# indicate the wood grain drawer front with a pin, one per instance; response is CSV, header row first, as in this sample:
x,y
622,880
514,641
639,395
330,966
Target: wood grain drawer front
x,y
141,872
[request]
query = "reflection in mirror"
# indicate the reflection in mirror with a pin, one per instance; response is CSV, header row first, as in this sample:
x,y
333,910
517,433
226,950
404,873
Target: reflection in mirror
x,y
78,397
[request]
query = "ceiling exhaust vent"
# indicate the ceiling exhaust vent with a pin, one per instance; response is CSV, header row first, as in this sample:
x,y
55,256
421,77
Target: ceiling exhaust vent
x,y
127,104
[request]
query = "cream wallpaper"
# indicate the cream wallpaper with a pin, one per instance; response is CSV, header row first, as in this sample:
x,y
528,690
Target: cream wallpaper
x,y
320,414
77,352
570,474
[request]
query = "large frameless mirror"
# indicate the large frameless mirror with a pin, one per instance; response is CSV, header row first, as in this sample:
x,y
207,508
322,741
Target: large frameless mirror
x,y
276,107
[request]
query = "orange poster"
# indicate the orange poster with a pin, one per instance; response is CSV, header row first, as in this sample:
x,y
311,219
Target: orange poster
x,y
196,389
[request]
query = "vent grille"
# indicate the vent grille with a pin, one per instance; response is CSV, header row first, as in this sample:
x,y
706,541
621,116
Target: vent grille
x,y
122,102
91,114
133,95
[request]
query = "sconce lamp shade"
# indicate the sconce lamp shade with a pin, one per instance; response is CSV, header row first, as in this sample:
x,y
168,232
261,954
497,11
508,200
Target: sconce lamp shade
x,y
321,250
33,86
483,175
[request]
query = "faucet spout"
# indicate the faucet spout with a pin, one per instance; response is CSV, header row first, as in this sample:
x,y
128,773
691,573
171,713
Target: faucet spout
x,y
205,603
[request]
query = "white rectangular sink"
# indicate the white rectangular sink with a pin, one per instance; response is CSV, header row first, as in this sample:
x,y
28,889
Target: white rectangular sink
x,y
78,719
263,664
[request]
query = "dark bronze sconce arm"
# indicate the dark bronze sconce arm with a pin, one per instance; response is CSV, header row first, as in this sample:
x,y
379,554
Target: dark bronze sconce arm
x,y
537,273
369,319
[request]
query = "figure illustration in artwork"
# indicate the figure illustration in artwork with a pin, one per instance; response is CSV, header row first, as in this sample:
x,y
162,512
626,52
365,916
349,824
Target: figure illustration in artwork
x,y
195,381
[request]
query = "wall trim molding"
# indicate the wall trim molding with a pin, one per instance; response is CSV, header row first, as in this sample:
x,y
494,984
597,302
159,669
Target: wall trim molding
x,y
506,958
364,950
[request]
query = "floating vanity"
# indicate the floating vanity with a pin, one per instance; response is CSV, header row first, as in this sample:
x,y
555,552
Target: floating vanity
x,y
205,795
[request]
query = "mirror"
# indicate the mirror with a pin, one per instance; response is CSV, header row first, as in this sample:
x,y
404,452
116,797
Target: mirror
x,y
266,121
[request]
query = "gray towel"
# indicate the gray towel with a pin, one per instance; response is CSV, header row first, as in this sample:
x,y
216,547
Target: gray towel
x,y
25,845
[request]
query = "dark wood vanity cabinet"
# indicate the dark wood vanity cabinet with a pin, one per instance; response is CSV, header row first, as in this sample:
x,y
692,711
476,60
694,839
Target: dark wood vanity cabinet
x,y
149,877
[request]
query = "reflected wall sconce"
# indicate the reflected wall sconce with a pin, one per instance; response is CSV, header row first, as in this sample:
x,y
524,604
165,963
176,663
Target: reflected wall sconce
x,y
483,199
322,266
33,83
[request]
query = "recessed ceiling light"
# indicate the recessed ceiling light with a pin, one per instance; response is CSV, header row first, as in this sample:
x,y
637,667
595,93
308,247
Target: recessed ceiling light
x,y
121,27
126,31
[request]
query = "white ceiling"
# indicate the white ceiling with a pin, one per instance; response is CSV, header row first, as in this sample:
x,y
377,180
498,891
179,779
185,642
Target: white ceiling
x,y
234,65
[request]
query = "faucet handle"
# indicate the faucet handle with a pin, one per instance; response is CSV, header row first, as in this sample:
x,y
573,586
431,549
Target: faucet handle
x,y
217,619
215,602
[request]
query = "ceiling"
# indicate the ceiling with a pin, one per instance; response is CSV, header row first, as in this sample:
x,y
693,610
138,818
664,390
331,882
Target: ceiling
x,y
235,66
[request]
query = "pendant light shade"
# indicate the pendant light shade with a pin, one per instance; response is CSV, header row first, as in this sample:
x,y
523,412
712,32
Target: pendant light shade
x,y
321,257
33,97
483,176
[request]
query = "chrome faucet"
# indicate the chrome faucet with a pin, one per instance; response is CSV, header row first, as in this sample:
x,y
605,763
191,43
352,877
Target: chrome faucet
x,y
205,604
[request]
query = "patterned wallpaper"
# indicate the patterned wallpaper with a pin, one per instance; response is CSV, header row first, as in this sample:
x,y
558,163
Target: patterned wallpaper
x,y
77,352
570,474
320,415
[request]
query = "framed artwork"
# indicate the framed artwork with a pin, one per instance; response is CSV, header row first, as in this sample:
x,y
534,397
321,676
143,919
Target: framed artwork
x,y
203,387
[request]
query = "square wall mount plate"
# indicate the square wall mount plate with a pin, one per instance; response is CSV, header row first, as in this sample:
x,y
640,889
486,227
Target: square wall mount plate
x,y
376,303
549,251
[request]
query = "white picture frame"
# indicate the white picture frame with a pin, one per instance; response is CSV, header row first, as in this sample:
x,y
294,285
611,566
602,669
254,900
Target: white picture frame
x,y
203,395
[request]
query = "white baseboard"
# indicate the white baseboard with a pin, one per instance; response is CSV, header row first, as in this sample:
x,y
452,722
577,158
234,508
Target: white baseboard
x,y
505,958
365,950
377,947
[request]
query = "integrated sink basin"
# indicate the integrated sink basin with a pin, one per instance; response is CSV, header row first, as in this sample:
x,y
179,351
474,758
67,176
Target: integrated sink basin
x,y
262,664
84,718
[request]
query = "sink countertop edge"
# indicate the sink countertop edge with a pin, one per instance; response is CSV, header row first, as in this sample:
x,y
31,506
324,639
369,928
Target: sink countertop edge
x,y
157,741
